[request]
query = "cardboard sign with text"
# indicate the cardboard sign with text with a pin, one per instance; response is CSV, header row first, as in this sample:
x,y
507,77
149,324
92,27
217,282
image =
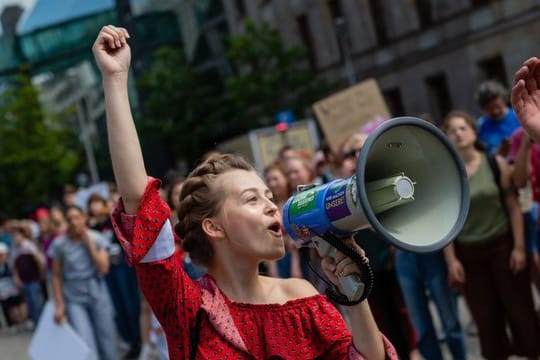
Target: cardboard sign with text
x,y
345,112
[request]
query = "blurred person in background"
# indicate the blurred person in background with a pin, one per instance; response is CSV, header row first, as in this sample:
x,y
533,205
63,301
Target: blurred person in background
x,y
11,299
121,279
47,233
69,196
289,265
327,164
499,121
488,258
285,153
56,212
80,261
349,151
5,234
28,266
299,171
525,157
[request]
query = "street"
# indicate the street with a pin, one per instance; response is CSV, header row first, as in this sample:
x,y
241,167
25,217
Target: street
x,y
15,346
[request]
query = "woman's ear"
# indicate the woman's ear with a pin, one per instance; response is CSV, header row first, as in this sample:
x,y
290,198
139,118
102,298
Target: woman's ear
x,y
212,229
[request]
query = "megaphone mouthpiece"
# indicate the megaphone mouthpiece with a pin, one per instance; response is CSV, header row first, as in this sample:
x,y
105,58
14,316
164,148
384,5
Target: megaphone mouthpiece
x,y
390,192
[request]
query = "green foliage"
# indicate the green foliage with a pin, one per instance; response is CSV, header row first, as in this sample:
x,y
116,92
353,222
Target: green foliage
x,y
184,114
272,77
35,158
179,107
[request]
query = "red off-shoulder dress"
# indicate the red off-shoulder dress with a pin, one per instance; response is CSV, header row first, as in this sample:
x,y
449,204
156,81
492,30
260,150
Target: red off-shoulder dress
x,y
306,328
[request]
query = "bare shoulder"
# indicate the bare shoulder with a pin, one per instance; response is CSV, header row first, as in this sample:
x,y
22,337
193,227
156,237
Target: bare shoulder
x,y
295,288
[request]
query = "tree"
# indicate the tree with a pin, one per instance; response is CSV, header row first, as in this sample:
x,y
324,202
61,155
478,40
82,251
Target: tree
x,y
272,77
180,109
38,154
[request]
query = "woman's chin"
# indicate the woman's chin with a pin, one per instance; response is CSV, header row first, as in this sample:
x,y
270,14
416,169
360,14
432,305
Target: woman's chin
x,y
277,254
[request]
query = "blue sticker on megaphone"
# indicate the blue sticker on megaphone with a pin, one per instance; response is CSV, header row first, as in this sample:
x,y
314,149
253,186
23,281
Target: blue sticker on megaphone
x,y
335,202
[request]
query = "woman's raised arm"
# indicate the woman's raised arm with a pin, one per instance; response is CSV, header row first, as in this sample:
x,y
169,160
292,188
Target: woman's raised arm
x,y
113,56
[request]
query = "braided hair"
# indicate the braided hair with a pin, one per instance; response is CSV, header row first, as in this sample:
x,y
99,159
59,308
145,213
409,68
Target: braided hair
x,y
199,199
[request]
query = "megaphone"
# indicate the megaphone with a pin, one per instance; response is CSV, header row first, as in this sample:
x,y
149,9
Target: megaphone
x,y
410,186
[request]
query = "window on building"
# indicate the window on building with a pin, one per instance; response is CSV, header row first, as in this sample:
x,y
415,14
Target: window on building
x,y
394,102
307,39
240,8
376,9
334,8
478,3
425,14
439,95
492,68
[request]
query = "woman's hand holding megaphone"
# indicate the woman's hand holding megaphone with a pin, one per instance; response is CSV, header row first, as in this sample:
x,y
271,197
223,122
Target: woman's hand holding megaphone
x,y
341,266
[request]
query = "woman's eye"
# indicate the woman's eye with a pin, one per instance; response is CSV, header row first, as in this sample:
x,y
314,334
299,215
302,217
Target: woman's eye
x,y
251,199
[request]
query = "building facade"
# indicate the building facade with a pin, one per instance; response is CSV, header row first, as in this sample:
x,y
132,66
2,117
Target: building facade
x,y
428,56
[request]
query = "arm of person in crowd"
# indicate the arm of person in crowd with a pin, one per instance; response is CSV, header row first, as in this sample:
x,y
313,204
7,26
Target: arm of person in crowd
x,y
525,96
113,56
58,296
16,279
99,256
40,259
367,338
456,273
520,174
518,258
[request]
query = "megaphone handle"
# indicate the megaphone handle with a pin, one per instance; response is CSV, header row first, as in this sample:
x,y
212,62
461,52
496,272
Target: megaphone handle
x,y
352,284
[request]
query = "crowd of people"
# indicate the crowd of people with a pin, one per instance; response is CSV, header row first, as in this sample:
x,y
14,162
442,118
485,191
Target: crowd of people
x,y
199,265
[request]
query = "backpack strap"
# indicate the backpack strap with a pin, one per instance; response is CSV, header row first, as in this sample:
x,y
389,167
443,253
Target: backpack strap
x,y
496,171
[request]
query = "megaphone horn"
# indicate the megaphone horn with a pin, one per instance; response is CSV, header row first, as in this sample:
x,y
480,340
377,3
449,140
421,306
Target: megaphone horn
x,y
410,186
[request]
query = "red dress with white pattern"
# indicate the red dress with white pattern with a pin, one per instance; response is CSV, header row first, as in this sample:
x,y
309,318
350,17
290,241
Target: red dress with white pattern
x,y
305,328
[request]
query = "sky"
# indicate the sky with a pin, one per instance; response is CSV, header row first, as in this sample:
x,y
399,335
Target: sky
x,y
23,3
47,12
26,4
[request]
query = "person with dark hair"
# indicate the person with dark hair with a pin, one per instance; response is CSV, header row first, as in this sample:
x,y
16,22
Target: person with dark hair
x,y
289,265
69,195
121,279
80,295
28,266
228,223
499,121
285,153
327,164
488,257
11,298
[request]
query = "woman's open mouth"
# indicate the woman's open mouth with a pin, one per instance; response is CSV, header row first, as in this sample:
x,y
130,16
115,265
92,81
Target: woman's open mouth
x,y
275,228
